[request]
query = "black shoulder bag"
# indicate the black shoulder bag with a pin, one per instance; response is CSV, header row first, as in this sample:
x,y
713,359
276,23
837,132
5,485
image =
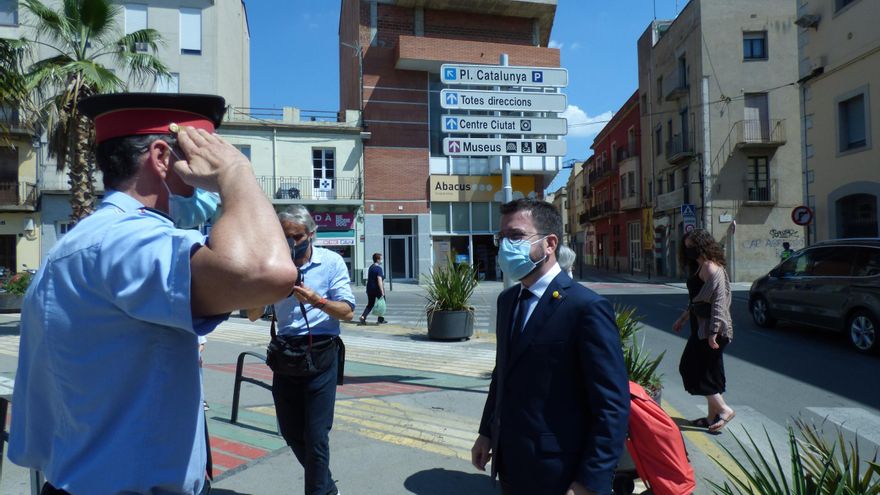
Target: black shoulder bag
x,y
303,357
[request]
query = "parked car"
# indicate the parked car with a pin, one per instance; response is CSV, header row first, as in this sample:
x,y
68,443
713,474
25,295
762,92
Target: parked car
x,y
832,284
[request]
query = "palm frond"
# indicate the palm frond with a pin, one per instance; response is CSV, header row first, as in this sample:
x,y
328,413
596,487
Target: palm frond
x,y
96,16
144,66
48,22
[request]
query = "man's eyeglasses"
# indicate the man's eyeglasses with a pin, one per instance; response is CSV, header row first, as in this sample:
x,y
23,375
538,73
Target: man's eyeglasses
x,y
513,236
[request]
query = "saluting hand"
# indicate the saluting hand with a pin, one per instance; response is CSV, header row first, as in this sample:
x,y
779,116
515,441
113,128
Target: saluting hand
x,y
206,157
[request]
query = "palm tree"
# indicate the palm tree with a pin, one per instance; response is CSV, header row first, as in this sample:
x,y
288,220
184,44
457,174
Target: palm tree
x,y
76,36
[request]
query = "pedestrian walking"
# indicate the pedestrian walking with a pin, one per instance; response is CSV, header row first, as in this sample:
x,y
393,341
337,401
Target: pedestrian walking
x,y
702,362
556,415
567,257
108,396
787,251
306,361
375,287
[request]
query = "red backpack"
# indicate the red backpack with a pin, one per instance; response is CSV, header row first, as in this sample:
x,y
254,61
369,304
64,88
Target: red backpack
x,y
657,447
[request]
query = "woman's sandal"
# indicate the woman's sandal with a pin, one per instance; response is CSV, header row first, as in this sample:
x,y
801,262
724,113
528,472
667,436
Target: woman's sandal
x,y
700,423
720,422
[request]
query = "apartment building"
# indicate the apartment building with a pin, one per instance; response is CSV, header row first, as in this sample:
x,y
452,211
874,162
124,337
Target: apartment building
x,y
615,186
207,50
577,201
839,68
310,158
719,110
420,205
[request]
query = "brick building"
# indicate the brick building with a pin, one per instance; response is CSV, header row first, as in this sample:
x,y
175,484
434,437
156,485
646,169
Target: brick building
x,y
614,178
419,205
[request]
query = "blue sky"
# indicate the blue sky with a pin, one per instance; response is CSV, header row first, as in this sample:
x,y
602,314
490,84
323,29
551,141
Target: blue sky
x,y
294,57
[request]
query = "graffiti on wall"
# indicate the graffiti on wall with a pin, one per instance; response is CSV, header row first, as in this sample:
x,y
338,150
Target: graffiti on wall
x,y
774,240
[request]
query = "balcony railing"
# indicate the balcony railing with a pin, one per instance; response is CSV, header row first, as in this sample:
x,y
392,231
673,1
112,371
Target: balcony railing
x,y
760,133
679,148
760,192
18,194
601,209
311,189
670,200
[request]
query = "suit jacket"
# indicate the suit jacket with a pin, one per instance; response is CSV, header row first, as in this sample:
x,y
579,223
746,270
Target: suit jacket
x,y
558,403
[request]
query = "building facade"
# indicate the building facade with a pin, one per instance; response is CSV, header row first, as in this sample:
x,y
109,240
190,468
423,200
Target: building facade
x,y
312,159
421,206
576,209
206,49
615,186
839,70
719,113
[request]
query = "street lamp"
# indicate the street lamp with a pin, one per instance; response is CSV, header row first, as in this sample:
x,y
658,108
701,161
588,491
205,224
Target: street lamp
x,y
360,55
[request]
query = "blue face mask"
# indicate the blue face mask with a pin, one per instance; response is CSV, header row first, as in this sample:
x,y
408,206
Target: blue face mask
x,y
189,212
515,260
298,251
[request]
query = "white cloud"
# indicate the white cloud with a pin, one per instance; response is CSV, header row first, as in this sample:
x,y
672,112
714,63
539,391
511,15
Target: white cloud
x,y
576,45
582,125
556,44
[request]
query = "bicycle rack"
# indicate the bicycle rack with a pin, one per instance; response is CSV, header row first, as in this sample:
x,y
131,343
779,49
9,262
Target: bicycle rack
x,y
239,378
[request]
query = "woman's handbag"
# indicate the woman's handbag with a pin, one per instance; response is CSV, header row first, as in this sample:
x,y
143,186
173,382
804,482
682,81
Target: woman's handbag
x,y
302,356
379,307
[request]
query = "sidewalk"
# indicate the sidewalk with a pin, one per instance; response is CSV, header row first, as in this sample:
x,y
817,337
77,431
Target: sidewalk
x,y
595,274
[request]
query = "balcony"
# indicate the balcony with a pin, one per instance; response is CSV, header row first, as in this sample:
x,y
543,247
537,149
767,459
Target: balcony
x,y
600,210
675,90
308,189
18,196
679,149
671,200
760,192
423,53
631,202
599,173
10,122
760,133
584,217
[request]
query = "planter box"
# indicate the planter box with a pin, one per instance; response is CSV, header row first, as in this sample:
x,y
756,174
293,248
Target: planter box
x,y
450,325
10,303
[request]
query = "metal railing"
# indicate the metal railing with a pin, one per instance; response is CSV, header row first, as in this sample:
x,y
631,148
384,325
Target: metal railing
x,y
678,148
311,189
760,191
239,377
20,193
760,132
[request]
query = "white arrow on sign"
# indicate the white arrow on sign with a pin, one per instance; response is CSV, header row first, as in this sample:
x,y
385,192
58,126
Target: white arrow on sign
x,y
470,124
455,146
497,75
455,99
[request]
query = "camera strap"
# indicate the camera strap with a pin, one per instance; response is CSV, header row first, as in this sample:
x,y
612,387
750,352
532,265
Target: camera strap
x,y
302,308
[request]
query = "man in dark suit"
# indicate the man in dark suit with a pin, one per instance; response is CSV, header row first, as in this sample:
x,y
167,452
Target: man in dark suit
x,y
556,416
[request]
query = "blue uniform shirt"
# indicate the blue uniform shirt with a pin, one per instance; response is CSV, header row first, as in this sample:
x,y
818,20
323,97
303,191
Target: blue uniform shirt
x,y
107,393
327,275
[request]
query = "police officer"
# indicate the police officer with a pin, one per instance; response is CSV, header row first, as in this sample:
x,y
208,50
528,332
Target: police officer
x,y
108,398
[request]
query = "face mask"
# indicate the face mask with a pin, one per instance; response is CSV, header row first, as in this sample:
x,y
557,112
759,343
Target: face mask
x,y
298,251
691,252
189,212
515,260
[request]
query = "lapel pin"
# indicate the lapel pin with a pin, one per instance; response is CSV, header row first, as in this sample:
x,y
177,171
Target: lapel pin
x,y
556,294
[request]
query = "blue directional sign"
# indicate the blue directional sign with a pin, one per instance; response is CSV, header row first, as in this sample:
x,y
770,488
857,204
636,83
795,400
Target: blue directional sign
x,y
452,98
449,73
451,123
503,76
537,76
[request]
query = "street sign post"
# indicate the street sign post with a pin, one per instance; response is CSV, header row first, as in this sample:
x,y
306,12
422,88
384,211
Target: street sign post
x,y
456,146
503,101
802,215
497,75
689,217
471,124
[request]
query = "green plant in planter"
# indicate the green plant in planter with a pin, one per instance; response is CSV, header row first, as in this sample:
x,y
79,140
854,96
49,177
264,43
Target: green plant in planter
x,y
450,287
17,284
640,366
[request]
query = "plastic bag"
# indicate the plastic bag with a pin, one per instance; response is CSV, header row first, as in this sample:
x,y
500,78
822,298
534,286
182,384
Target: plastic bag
x,y
379,307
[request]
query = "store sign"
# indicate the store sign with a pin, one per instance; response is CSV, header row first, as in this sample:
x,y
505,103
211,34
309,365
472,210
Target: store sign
x,y
334,221
334,241
478,188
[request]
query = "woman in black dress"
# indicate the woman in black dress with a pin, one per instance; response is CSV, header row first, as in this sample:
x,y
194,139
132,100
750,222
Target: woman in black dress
x,y
702,364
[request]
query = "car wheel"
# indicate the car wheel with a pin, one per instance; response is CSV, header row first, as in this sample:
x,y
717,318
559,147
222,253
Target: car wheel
x,y
862,331
761,313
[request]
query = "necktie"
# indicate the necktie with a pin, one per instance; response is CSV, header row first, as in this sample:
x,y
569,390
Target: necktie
x,y
521,311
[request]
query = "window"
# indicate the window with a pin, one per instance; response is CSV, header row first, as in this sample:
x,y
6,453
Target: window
x,y
682,72
461,221
440,217
686,184
623,187
191,31
245,150
8,12
650,190
798,265
480,216
758,180
658,140
62,228
832,262
840,4
136,20
660,88
867,262
659,186
323,168
631,180
631,146
857,216
670,184
755,45
169,84
852,124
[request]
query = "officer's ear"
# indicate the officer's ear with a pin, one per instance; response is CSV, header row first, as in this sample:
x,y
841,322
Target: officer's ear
x,y
159,158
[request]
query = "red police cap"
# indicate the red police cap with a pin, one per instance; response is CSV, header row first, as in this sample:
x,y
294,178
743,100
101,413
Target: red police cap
x,y
132,114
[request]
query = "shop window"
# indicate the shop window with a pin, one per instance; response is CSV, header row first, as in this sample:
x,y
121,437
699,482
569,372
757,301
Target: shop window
x,y
440,217
461,217
480,217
